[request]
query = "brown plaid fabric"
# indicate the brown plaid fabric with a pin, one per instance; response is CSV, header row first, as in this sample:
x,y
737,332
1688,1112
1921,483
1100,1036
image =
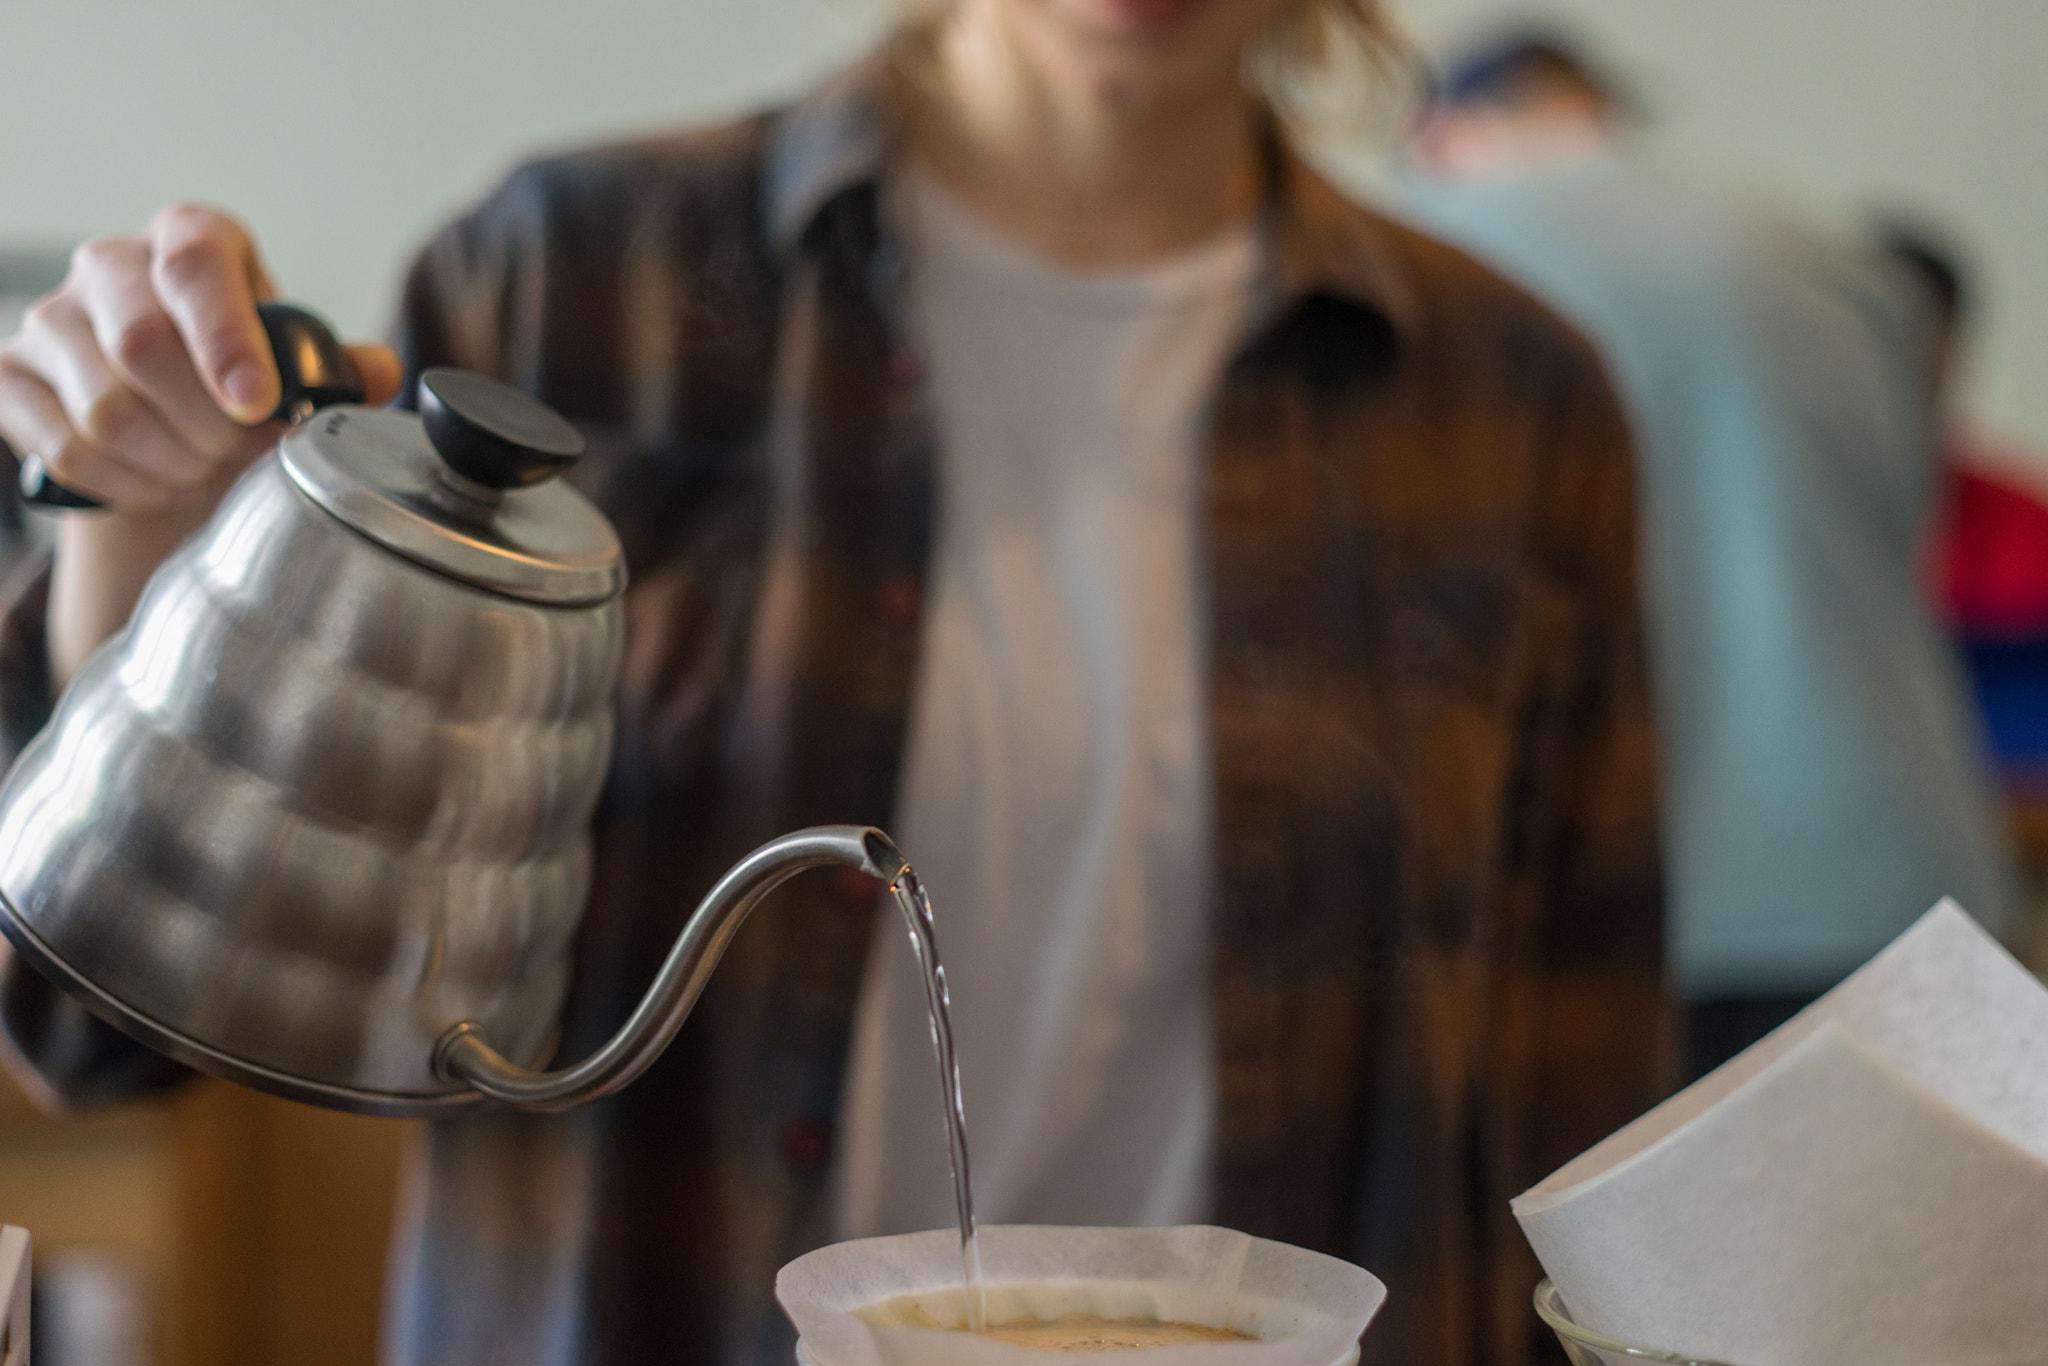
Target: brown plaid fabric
x,y
1435,907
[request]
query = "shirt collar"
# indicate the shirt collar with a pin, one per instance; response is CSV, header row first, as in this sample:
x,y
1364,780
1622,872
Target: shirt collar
x,y
843,134
839,136
1323,243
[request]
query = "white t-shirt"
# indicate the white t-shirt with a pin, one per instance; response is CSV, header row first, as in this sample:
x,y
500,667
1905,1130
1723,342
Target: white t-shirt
x,y
1056,789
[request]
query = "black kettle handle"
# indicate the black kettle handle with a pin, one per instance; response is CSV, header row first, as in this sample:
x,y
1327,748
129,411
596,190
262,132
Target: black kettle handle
x,y
314,366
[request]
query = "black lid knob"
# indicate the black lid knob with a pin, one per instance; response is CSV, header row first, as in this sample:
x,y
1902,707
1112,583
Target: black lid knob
x,y
492,433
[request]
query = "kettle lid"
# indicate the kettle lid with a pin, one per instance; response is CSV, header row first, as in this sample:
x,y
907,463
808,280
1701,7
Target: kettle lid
x,y
465,489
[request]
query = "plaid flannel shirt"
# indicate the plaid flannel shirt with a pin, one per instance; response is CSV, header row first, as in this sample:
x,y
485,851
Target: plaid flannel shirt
x,y
1435,907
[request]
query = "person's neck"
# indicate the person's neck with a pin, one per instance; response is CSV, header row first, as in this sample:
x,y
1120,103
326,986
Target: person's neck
x,y
1086,176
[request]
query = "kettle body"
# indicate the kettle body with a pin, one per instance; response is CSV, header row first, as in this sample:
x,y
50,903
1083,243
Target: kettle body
x,y
318,819
318,803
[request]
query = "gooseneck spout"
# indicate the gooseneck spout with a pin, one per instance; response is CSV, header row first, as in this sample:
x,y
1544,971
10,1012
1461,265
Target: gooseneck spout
x,y
463,1054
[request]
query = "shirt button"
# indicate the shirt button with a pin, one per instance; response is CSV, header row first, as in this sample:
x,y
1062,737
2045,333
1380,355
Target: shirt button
x,y
905,366
898,596
806,1144
854,887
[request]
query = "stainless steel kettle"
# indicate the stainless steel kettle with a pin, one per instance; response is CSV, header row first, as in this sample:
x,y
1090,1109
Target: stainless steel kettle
x,y
317,820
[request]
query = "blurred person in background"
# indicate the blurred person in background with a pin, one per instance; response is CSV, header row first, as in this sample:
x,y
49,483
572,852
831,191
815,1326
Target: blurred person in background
x,y
1988,555
1823,784
1226,595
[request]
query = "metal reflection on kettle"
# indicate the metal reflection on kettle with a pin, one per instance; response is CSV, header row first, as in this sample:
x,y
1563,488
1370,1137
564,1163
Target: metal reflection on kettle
x,y
318,820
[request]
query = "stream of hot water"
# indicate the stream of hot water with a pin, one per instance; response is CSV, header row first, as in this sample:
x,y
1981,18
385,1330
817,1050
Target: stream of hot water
x,y
917,915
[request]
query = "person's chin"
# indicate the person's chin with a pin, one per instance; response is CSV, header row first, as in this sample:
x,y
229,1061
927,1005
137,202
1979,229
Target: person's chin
x,y
1147,51
1148,17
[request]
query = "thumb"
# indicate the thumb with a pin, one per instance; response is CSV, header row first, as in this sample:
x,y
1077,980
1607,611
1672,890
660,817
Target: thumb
x,y
381,372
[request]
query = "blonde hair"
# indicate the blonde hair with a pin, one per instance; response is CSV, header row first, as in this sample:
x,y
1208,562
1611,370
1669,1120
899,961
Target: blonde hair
x,y
1330,64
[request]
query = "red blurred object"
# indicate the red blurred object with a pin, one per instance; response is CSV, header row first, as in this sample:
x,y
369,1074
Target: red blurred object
x,y
1990,552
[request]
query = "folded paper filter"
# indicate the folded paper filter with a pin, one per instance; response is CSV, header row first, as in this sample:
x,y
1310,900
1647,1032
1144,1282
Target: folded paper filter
x,y
1867,1185
884,1301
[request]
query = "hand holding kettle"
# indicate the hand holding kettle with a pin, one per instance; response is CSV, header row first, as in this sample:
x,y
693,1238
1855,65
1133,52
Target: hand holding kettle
x,y
317,819
146,384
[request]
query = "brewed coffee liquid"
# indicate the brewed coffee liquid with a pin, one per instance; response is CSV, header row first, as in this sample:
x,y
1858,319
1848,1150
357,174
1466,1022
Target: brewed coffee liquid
x,y
1091,1333
917,914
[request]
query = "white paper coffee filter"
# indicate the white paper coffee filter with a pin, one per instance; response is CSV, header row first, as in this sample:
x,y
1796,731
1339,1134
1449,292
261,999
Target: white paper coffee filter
x,y
1306,1309
1868,1186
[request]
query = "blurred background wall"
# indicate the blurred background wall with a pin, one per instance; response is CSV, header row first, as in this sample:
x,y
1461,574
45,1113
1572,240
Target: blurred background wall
x,y
345,132
252,1231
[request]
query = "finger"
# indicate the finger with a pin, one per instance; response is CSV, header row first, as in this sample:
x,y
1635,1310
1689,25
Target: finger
x,y
58,344
111,281
33,420
381,371
206,274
